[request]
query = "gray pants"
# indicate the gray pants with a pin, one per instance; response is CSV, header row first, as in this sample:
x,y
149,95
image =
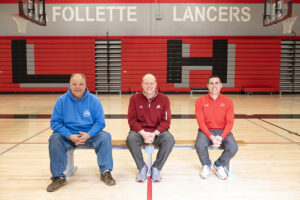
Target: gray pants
x,y
229,144
165,141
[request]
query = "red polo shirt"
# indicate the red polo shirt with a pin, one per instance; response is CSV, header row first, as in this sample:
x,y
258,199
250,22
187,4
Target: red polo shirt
x,y
215,114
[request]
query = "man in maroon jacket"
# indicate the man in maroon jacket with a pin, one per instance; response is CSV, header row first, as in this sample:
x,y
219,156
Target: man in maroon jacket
x,y
149,118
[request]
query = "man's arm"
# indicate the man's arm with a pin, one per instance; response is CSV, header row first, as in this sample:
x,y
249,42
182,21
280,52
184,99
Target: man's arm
x,y
200,118
98,117
56,122
229,120
132,116
166,119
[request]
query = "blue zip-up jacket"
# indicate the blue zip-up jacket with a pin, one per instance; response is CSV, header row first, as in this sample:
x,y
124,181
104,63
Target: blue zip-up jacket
x,y
71,115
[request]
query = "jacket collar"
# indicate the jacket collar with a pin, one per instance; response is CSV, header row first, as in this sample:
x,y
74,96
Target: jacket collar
x,y
216,98
150,99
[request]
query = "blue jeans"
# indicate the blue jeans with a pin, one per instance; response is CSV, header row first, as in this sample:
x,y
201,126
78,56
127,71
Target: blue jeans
x,y
59,145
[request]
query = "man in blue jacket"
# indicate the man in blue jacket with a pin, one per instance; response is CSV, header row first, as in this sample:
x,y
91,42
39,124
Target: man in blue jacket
x,y
78,119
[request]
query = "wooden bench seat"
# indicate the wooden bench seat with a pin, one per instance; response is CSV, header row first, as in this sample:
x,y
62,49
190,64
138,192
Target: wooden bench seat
x,y
149,149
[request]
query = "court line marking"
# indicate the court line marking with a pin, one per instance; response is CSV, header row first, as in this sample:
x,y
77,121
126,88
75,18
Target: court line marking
x,y
23,142
290,132
149,184
274,132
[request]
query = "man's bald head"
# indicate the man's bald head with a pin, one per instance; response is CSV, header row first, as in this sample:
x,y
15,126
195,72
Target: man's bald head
x,y
149,76
77,75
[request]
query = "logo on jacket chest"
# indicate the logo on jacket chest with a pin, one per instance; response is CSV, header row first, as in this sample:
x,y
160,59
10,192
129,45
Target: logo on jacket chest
x,y
221,105
86,113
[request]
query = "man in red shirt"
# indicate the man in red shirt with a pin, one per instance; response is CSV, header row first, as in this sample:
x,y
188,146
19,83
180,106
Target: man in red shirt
x,y
149,118
215,116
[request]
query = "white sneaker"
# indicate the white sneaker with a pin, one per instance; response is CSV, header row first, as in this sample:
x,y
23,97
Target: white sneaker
x,y
205,172
155,175
142,176
220,172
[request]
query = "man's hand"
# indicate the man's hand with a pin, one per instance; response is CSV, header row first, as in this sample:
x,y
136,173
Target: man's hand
x,y
216,141
219,139
79,139
156,132
75,138
83,137
147,136
152,135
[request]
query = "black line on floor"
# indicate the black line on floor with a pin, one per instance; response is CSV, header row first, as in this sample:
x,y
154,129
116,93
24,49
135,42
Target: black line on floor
x,y
290,132
274,132
7,150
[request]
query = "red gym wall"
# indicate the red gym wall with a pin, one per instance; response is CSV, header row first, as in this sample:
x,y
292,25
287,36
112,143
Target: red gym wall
x,y
245,55
257,62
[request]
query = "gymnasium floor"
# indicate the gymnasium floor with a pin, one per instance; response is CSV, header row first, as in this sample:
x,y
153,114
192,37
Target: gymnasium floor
x,y
267,165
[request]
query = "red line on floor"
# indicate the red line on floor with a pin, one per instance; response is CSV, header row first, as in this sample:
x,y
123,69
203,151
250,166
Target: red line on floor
x,y
149,186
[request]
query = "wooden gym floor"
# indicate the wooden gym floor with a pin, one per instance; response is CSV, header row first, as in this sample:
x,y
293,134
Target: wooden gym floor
x,y
266,166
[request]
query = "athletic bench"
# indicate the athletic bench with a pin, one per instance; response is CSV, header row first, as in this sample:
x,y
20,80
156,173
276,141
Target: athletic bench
x,y
149,149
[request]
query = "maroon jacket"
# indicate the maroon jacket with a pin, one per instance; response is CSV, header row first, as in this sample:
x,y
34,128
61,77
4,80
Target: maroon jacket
x,y
151,115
